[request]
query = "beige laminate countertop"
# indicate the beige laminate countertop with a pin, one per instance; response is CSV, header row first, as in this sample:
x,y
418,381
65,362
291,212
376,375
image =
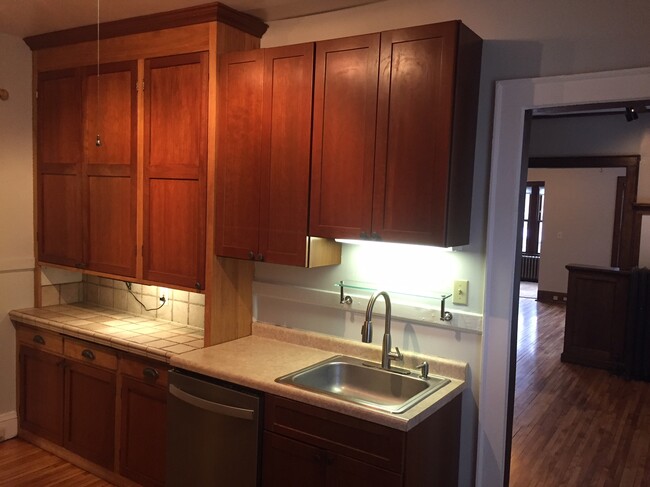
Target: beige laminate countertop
x,y
272,351
141,335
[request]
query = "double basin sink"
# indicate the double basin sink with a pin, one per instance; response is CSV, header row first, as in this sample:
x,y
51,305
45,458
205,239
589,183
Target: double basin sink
x,y
364,383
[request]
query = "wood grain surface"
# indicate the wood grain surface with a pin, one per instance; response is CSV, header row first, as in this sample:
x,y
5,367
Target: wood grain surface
x,y
573,425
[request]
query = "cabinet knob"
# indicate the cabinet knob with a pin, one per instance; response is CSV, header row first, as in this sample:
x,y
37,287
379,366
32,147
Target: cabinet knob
x,y
363,236
251,255
259,258
80,265
88,354
38,339
150,373
375,236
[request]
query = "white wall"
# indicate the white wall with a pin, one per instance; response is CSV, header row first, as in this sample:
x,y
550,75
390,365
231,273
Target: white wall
x,y
16,210
578,220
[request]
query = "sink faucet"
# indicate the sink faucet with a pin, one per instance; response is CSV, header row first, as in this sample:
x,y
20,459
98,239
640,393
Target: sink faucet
x,y
366,331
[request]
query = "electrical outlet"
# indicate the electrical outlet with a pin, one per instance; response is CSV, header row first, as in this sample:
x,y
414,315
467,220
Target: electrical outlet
x,y
460,291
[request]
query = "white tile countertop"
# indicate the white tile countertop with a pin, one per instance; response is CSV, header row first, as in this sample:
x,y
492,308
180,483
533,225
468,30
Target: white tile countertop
x,y
273,351
145,336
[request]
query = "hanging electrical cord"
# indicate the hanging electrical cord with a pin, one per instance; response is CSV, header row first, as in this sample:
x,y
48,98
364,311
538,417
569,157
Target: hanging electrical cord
x,y
163,300
98,140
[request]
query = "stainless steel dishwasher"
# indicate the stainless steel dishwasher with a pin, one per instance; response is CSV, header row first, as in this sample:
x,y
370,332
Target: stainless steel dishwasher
x,y
213,432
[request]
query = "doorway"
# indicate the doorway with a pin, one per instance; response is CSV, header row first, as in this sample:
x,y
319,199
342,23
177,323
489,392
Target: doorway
x,y
513,103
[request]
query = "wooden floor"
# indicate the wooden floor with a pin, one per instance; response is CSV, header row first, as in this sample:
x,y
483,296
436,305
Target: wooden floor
x,y
23,464
573,425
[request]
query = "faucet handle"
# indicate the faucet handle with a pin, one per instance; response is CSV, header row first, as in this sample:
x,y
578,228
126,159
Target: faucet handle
x,y
424,369
396,355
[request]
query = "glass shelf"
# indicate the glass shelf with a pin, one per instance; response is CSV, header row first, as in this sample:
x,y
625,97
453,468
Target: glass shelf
x,y
365,286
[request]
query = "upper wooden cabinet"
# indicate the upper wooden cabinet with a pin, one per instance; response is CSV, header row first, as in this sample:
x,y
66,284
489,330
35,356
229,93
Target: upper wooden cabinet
x,y
176,138
402,173
126,158
86,156
265,103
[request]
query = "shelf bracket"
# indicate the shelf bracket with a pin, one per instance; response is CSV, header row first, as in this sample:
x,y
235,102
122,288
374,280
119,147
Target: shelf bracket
x,y
444,315
345,299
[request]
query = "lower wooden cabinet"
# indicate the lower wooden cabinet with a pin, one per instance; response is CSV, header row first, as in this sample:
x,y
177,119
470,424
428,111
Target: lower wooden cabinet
x,y
105,406
41,393
143,421
307,445
89,419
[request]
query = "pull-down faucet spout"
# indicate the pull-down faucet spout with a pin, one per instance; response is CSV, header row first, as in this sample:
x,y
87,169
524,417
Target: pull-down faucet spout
x,y
366,331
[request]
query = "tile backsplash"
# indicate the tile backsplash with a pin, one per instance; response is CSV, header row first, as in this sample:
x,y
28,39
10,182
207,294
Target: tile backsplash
x,y
182,307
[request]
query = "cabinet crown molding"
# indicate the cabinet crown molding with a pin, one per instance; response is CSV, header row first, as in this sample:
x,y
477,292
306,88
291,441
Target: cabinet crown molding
x,y
146,23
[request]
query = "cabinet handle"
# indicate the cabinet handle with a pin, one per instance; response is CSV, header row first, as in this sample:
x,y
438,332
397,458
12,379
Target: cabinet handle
x,y
39,339
251,255
259,258
375,236
150,373
88,354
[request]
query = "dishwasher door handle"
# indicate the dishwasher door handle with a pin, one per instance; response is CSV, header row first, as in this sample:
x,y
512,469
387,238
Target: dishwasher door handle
x,y
215,407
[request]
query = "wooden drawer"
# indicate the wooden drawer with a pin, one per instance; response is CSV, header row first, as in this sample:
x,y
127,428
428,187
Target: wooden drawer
x,y
365,441
45,340
90,353
149,371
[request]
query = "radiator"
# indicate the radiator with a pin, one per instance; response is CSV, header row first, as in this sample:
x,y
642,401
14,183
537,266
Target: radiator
x,y
530,268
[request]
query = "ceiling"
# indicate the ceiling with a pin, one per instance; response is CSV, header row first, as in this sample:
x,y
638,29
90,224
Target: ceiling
x,y
31,17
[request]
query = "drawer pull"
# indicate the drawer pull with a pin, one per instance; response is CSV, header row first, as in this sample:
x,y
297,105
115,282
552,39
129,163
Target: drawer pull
x,y
88,354
150,373
39,339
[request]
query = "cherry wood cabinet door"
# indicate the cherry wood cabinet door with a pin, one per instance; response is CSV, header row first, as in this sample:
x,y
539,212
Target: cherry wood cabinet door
x,y
89,417
239,154
286,141
41,393
343,150
291,463
109,173
414,129
59,152
143,432
176,136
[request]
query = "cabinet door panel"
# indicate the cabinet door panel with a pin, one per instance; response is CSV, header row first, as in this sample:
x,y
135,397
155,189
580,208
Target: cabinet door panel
x,y
414,117
144,434
59,118
41,394
176,97
60,219
110,112
345,110
342,470
174,232
111,232
177,112
238,164
59,158
89,420
109,182
291,463
286,137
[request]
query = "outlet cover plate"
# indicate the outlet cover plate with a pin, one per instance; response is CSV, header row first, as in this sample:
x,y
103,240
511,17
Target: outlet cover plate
x,y
460,291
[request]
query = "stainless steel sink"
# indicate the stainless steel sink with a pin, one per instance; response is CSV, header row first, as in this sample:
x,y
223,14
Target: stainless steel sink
x,y
364,383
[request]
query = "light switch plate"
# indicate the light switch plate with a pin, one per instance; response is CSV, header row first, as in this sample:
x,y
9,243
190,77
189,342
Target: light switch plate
x,y
460,291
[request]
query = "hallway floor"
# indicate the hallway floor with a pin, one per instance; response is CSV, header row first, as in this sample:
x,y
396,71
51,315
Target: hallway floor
x,y
573,425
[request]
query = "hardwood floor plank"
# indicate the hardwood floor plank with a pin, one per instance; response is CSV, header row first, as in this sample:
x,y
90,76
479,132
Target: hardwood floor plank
x,y
23,464
573,425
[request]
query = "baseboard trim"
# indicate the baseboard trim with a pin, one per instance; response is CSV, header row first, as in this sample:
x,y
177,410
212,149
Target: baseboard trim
x,y
8,425
552,297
